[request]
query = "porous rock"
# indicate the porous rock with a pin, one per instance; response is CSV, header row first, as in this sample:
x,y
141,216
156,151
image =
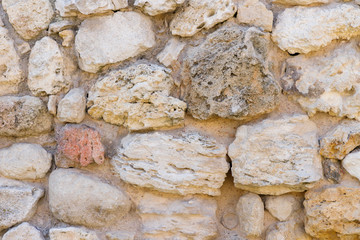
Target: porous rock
x,y
97,41
72,107
77,198
282,206
291,229
185,164
137,97
23,232
276,156
156,7
352,164
171,52
225,88
299,2
72,233
254,12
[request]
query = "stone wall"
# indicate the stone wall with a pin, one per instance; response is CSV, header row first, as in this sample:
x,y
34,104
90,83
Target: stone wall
x,y
179,119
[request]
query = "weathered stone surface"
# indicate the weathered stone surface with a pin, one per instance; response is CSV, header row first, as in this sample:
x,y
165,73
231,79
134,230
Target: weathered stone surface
x,y
174,217
254,12
46,68
72,233
291,229
352,164
120,236
24,161
52,104
229,220
59,26
17,202
276,156
72,107
201,14
282,206
300,2
28,17
68,37
156,7
23,232
80,199
332,170
21,116
10,72
306,29
97,41
250,210
225,88
187,164
137,97
171,51
70,8
78,145
332,211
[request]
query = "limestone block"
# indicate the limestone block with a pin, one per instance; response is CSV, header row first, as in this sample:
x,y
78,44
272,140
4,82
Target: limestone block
x,y
185,164
254,12
72,107
156,7
291,229
72,233
274,157
23,232
138,98
352,164
171,51
282,206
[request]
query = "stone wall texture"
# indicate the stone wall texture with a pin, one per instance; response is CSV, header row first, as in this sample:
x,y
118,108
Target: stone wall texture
x,y
179,119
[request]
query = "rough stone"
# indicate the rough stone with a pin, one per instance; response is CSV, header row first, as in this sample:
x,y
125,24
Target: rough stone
x,y
274,157
187,164
291,229
300,2
120,236
97,41
72,8
24,161
79,199
332,170
52,104
23,232
156,7
18,202
72,233
68,37
10,72
171,51
78,145
201,14
254,12
250,210
72,107
282,206
174,217
352,164
46,67
22,47
28,17
21,116
224,88
137,97
306,29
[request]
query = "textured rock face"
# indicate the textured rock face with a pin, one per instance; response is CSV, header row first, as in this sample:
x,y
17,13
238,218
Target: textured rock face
x,y
137,97
72,107
276,156
156,7
253,12
10,72
171,52
201,14
76,198
332,170
23,232
46,68
120,236
332,212
172,217
17,202
72,233
79,145
299,2
97,39
306,29
28,17
21,116
225,88
282,206
287,230
326,82
352,164
184,165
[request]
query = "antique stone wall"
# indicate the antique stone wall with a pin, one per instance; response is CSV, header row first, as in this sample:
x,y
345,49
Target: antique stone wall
x,y
179,119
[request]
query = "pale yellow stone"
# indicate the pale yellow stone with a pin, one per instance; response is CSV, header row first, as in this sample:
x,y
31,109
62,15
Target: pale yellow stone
x,y
254,12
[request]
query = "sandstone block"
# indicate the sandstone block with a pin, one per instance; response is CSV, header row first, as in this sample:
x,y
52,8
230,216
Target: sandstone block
x,y
72,233
352,164
282,206
156,7
171,52
254,12
23,232
291,229
72,107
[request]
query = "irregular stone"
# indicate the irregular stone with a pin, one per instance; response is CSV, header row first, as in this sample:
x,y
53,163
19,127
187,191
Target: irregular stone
x,y
229,220
254,12
201,14
23,47
332,170
17,202
76,198
97,41
171,51
282,206
250,210
52,104
120,236
21,116
10,71
185,164
300,2
78,145
174,217
28,17
68,37
306,29
23,232
59,26
138,98
352,164
72,107
287,230
46,67
72,233
71,8
274,157
156,7
224,88
24,161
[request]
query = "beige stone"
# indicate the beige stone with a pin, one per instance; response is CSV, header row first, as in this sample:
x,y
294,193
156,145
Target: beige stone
x,y
52,104
282,206
300,2
97,41
72,233
156,7
23,232
352,164
68,37
306,29
61,25
254,12
276,156
201,14
72,107
171,51
291,229
120,236
137,97
23,47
